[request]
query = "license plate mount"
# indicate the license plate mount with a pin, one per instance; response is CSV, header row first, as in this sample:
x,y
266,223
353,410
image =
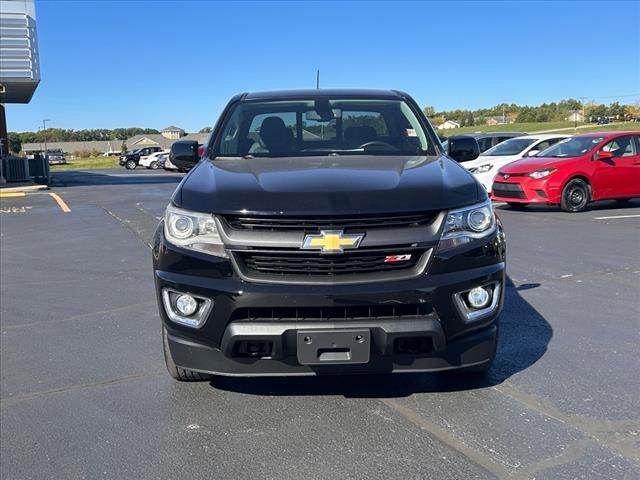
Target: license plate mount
x,y
333,347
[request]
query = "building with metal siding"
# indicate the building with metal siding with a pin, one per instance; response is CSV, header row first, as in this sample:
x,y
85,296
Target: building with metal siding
x,y
19,59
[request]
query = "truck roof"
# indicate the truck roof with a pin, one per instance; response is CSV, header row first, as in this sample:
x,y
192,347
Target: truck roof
x,y
329,92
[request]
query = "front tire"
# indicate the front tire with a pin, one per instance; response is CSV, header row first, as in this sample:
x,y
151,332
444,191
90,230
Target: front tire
x,y
179,373
130,165
575,196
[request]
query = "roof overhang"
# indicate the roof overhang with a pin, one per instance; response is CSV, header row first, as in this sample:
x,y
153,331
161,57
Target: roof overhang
x,y
16,90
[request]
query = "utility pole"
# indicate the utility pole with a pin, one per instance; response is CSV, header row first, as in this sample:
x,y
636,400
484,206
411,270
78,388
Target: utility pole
x,y
582,100
318,79
44,131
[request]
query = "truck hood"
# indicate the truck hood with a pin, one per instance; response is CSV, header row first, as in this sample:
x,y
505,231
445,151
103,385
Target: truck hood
x,y
326,185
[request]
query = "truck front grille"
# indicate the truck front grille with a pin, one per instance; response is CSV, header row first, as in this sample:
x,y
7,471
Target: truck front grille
x,y
400,311
317,223
291,262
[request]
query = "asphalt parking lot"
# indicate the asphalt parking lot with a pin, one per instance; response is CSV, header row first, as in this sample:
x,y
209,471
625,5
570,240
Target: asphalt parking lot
x,y
84,393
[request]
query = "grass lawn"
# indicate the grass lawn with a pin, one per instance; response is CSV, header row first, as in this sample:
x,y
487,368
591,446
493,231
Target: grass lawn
x,y
623,127
88,163
509,127
541,126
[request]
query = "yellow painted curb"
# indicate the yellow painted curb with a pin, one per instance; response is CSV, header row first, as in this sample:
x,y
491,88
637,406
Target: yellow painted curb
x,y
11,194
65,208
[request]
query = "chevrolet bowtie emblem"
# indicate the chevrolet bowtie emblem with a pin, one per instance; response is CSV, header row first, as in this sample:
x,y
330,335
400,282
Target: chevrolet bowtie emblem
x,y
331,241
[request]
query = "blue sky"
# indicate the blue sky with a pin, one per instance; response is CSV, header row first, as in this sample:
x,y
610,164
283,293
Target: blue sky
x,y
151,64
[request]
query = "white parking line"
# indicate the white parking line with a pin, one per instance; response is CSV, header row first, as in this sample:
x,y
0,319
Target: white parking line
x,y
617,216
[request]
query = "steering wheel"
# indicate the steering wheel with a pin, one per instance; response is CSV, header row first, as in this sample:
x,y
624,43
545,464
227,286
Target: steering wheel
x,y
377,143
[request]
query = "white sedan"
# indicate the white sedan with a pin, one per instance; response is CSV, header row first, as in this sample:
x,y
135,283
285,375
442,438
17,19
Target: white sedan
x,y
151,161
487,165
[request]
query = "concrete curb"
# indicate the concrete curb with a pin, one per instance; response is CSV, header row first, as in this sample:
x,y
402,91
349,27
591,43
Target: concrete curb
x,y
23,188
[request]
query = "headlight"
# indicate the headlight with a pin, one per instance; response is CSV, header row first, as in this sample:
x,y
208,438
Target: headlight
x,y
193,230
541,173
482,168
465,224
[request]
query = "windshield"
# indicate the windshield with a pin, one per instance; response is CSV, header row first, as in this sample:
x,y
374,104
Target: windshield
x,y
513,146
571,147
322,127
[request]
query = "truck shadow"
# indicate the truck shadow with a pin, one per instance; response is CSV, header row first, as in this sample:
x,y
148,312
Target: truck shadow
x,y
523,339
83,178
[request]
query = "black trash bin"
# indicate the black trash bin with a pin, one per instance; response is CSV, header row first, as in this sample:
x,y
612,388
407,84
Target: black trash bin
x,y
39,169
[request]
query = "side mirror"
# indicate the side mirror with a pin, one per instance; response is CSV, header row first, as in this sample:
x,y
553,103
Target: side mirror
x,y
184,154
463,148
531,153
603,155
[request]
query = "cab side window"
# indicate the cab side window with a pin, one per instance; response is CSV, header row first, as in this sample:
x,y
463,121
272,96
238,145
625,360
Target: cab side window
x,y
621,147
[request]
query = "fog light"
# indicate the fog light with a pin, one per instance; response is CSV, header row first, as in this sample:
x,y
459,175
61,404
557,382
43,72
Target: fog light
x,y
478,297
186,305
186,309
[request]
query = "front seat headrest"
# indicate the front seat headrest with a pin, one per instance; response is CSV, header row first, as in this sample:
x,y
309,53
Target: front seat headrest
x,y
275,135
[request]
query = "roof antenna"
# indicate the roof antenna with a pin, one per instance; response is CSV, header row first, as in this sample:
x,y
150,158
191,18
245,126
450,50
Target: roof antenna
x,y
318,79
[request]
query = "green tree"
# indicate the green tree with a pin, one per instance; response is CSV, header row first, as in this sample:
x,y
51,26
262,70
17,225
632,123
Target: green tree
x,y
205,130
15,144
617,110
468,120
123,148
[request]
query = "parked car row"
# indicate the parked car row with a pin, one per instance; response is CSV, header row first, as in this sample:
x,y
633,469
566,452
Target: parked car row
x,y
488,163
488,140
153,161
131,160
154,158
570,171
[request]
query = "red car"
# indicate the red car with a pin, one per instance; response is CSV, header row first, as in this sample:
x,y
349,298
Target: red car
x,y
574,172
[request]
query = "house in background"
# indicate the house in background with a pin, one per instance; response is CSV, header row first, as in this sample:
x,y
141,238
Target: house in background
x,y
172,132
497,120
575,117
448,125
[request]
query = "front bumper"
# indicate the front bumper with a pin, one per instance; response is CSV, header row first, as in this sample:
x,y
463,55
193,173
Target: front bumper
x,y
475,349
540,190
438,335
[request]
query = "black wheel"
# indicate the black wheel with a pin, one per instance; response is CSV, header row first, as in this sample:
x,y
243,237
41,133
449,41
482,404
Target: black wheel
x,y
131,165
575,196
179,373
153,166
517,206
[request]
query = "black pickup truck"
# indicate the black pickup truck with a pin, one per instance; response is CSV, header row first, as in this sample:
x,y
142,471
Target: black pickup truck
x,y
327,231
